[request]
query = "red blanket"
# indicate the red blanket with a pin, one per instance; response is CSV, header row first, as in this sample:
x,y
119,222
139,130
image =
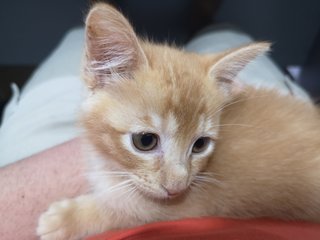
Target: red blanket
x,y
218,229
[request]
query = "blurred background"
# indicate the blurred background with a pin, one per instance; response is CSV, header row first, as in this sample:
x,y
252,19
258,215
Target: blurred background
x,y
31,29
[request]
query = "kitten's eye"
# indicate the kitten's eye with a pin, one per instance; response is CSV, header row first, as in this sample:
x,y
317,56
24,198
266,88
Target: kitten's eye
x,y
201,145
144,141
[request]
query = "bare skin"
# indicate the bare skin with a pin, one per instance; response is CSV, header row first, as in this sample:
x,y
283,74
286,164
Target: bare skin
x,y
29,186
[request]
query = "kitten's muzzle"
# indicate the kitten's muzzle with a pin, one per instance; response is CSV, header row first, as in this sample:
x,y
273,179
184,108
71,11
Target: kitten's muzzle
x,y
175,179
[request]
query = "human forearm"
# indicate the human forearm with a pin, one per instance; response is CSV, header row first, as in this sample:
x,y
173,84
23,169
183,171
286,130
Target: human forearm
x,y
29,186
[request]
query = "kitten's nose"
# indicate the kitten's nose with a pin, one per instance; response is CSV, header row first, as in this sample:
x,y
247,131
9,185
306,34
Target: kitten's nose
x,y
173,192
175,179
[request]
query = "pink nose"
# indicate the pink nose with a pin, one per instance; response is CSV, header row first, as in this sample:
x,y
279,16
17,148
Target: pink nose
x,y
172,192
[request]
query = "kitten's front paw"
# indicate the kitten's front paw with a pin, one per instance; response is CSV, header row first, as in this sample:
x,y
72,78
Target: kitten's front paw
x,y
57,222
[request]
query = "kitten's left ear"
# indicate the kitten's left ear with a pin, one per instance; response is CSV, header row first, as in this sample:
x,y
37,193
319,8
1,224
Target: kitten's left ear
x,y
230,64
113,50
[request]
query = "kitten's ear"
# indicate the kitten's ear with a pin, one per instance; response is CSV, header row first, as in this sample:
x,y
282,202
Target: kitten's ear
x,y
230,64
112,47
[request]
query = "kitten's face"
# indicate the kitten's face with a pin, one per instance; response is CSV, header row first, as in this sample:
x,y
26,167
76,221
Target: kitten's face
x,y
160,125
154,111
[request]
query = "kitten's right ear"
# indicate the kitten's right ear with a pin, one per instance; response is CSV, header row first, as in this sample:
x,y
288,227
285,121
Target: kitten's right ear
x,y
229,64
113,51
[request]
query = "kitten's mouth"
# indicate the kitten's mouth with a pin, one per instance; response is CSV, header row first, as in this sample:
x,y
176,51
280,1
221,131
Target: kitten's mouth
x,y
160,193
171,194
174,195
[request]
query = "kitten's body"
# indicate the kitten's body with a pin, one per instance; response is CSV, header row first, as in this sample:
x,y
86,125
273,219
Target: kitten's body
x,y
268,157
262,159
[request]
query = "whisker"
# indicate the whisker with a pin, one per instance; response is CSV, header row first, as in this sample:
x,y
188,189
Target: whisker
x,y
119,185
237,101
231,124
98,174
207,179
197,186
110,172
203,179
131,192
210,174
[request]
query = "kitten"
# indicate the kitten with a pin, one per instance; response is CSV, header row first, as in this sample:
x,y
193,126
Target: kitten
x,y
176,136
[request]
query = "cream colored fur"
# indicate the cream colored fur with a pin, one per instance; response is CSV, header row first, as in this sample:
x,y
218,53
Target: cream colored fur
x,y
263,157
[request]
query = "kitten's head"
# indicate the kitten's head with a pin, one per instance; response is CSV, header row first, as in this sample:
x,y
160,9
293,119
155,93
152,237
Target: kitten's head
x,y
154,110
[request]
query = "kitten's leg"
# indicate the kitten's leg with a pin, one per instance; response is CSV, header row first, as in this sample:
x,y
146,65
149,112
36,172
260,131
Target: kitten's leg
x,y
73,219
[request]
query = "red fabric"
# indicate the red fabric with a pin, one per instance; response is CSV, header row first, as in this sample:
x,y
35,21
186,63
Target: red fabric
x,y
218,229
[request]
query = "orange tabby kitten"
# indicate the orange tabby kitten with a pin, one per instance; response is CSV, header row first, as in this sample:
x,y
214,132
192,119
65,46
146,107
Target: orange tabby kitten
x,y
176,135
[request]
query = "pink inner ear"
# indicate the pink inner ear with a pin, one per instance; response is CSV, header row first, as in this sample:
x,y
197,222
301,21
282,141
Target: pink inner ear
x,y
237,87
112,48
230,87
227,68
112,57
110,52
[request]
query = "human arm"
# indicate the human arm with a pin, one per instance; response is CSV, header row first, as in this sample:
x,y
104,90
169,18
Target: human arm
x,y
29,186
